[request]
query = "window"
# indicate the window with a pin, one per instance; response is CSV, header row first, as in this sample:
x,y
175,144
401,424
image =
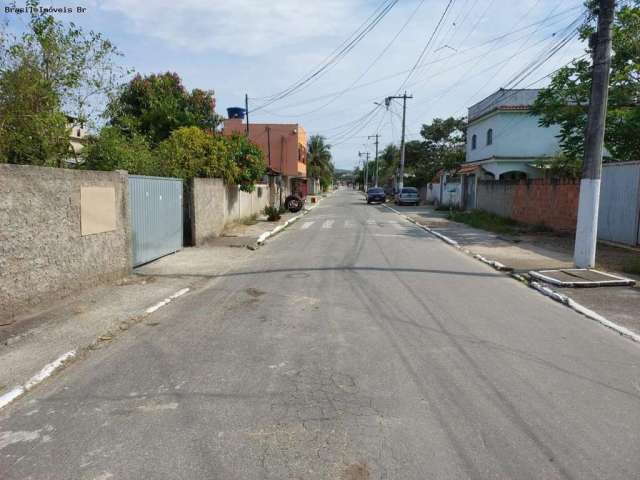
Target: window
x,y
473,142
490,136
78,133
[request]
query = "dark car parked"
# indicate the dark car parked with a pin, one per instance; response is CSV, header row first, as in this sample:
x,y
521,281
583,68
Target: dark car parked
x,y
376,194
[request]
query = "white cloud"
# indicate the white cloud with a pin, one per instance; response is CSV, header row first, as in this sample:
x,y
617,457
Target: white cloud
x,y
239,27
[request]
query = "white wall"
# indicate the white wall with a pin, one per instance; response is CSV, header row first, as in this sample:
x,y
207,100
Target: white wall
x,y
515,135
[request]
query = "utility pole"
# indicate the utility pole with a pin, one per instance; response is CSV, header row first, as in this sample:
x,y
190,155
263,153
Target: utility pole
x,y
584,254
366,169
246,111
387,102
377,135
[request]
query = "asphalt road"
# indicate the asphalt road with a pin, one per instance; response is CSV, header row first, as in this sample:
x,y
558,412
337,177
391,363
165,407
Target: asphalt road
x,y
354,346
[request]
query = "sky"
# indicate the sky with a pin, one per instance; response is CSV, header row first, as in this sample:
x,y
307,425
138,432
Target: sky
x,y
262,47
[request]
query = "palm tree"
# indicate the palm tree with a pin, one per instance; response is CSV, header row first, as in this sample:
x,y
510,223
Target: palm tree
x,y
319,161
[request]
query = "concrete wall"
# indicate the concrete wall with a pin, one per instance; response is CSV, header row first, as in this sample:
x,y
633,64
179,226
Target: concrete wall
x,y
448,193
43,253
495,197
215,205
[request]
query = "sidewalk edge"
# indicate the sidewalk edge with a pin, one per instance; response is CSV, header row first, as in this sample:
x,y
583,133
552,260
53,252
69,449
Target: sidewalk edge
x,y
559,297
268,234
66,358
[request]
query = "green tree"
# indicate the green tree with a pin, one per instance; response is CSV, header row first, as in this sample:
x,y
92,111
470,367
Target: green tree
x,y
249,160
113,151
388,163
319,163
190,152
32,128
156,105
51,69
565,101
442,148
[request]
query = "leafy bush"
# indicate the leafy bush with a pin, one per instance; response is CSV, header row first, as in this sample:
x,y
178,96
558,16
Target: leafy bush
x,y
249,161
113,151
272,213
485,221
190,152
561,166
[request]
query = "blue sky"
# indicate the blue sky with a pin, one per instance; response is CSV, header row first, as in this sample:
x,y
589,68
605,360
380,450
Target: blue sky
x,y
261,47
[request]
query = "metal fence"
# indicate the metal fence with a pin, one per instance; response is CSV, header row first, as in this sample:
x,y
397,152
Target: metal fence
x,y
619,216
156,217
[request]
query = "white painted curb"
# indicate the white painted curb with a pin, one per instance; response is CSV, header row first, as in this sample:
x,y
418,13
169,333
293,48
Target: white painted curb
x,y
167,300
442,237
58,363
10,396
569,302
263,237
38,378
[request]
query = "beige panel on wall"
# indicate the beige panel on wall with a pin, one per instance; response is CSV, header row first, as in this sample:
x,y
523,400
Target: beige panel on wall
x,y
97,209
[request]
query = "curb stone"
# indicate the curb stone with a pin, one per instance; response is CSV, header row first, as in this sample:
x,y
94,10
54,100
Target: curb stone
x,y
46,371
264,236
65,359
544,290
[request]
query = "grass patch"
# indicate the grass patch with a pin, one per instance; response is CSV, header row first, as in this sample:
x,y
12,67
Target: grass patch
x,y
251,220
487,221
633,267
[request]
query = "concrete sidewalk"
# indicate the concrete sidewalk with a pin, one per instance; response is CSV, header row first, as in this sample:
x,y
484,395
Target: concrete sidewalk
x,y
30,343
246,234
94,317
523,253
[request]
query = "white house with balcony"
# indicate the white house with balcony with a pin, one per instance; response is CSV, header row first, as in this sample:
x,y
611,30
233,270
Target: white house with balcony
x,y
504,140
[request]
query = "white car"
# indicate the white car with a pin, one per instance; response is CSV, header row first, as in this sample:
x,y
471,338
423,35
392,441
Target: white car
x,y
407,196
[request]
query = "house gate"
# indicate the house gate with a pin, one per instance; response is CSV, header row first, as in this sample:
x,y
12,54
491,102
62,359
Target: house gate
x,y
619,214
156,217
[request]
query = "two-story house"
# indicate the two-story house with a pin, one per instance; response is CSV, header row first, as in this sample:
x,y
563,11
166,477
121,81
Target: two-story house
x,y
504,140
284,146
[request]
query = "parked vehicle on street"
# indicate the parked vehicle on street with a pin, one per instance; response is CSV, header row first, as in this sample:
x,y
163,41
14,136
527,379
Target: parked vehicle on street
x,y
296,200
376,194
408,196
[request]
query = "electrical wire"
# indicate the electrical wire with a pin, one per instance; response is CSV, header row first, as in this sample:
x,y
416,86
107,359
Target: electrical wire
x,y
333,60
427,64
424,50
339,94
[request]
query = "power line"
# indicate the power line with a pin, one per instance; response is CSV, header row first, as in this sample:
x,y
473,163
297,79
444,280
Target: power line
x,y
371,65
334,59
424,50
427,64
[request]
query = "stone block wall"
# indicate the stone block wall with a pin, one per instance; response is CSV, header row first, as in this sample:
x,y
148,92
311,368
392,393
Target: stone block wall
x,y
43,254
215,205
496,196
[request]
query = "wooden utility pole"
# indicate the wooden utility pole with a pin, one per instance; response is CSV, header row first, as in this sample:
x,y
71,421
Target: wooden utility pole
x,y
387,101
584,254
376,136
246,111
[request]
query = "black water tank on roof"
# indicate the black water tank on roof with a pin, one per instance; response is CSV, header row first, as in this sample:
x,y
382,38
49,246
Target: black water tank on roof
x,y
235,112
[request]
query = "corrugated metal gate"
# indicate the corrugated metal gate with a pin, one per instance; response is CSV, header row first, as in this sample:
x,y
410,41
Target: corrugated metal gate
x,y
156,217
619,215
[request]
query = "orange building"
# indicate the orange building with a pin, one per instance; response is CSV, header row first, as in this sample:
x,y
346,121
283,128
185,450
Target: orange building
x,y
284,145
